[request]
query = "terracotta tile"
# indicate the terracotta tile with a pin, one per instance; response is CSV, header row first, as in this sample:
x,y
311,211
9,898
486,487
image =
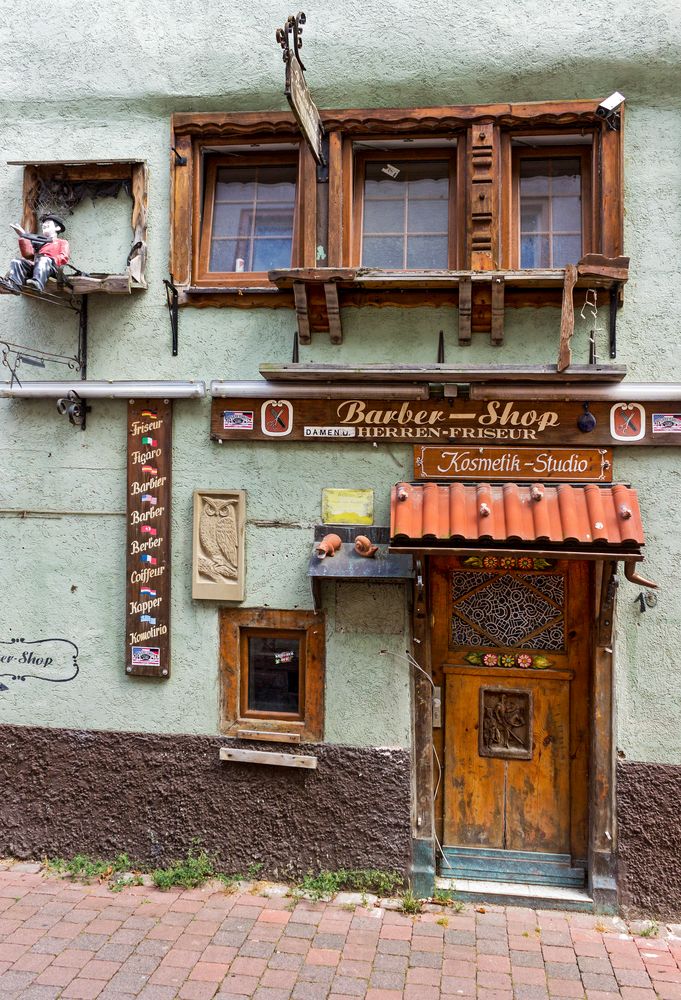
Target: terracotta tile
x,y
485,509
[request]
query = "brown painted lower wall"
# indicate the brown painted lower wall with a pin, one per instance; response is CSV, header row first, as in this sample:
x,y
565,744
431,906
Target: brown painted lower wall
x,y
65,791
649,838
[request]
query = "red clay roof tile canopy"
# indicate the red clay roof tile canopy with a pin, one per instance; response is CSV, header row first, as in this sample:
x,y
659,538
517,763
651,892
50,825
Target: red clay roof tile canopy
x,y
598,517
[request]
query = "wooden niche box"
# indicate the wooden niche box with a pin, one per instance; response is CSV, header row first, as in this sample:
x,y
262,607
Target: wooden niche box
x,y
219,556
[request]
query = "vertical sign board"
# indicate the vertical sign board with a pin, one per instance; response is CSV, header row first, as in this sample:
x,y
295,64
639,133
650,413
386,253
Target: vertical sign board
x,y
147,633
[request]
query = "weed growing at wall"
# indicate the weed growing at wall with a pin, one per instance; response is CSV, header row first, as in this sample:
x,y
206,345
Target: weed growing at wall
x,y
327,883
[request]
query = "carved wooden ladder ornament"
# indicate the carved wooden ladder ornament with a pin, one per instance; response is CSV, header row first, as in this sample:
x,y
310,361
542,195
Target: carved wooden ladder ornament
x,y
481,302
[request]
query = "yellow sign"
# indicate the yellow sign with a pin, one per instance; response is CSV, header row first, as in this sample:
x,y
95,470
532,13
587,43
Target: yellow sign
x,y
347,506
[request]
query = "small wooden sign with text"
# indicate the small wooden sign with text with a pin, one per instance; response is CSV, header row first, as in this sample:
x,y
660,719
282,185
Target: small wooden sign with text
x,y
557,465
147,632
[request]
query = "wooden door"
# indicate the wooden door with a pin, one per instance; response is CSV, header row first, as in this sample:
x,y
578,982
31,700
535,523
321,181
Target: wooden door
x,y
511,642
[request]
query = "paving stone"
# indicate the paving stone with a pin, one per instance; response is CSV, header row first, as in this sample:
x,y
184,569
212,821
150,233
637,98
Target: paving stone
x,y
562,970
349,986
594,981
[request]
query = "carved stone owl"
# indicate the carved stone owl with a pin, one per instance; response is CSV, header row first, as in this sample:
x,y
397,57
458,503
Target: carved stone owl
x,y
219,539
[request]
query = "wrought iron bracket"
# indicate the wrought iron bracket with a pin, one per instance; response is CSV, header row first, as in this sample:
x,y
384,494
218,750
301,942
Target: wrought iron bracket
x,y
75,408
292,31
614,306
323,168
172,298
180,160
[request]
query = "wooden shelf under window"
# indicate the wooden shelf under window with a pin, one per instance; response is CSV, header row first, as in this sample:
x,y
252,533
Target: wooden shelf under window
x,y
481,296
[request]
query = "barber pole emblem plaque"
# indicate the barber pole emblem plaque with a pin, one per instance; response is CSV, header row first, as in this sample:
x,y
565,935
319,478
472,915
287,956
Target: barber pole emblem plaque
x,y
147,639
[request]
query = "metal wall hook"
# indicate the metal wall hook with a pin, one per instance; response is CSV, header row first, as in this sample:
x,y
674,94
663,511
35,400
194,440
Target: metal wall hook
x,y
172,297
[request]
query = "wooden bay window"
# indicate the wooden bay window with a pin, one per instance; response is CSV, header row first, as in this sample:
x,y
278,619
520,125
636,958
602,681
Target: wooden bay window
x,y
420,195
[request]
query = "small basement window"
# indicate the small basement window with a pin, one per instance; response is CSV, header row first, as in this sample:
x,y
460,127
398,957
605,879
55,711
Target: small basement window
x,y
272,674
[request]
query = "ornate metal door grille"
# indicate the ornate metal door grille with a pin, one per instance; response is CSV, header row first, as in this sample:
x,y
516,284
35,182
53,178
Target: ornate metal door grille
x,y
502,609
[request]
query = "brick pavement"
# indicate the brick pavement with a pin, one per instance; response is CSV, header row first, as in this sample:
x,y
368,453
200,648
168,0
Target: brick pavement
x,y
65,939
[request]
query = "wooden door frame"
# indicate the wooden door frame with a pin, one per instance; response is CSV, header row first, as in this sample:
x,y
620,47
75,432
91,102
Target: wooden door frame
x,y
602,851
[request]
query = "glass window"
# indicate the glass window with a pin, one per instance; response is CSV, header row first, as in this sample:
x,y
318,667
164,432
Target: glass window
x,y
405,219
274,675
550,211
253,210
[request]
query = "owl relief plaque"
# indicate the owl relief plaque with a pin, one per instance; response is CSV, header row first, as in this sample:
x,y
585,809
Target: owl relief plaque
x,y
218,562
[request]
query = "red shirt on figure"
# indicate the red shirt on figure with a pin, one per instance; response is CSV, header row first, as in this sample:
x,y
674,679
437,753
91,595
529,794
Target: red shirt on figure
x,y
58,250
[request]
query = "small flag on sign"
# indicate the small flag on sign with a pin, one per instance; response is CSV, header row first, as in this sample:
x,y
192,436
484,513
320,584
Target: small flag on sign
x,y
150,441
150,468
150,414
147,498
148,559
148,618
147,592
146,529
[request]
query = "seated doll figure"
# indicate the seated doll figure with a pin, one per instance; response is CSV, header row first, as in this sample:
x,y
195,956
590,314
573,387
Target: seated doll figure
x,y
40,256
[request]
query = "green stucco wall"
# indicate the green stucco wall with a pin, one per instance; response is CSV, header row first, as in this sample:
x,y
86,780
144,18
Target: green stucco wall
x,y
123,70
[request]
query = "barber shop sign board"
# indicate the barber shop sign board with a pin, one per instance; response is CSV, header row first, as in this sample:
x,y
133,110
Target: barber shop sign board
x,y
147,633
460,421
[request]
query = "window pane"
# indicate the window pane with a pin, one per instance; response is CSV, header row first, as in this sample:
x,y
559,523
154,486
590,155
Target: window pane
x,y
534,251
384,216
566,175
383,251
427,252
270,254
273,220
252,202
273,674
223,254
411,204
566,250
235,184
534,215
550,211
427,216
567,215
232,219
534,176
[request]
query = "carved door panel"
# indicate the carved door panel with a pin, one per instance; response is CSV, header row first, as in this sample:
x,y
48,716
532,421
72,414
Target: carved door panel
x,y
511,654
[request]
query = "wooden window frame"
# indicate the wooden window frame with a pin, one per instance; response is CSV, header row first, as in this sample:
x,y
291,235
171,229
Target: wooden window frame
x,y
584,153
205,196
430,153
236,627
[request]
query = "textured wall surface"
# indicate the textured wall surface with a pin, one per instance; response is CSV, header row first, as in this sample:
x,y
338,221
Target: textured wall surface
x,y
63,573
649,862
153,796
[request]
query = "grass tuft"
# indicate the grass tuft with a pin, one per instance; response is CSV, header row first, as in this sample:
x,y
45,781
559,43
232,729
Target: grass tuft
x,y
188,873
410,903
364,880
651,931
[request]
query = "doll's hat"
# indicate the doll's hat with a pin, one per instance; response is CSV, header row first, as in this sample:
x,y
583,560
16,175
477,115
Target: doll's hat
x,y
57,221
